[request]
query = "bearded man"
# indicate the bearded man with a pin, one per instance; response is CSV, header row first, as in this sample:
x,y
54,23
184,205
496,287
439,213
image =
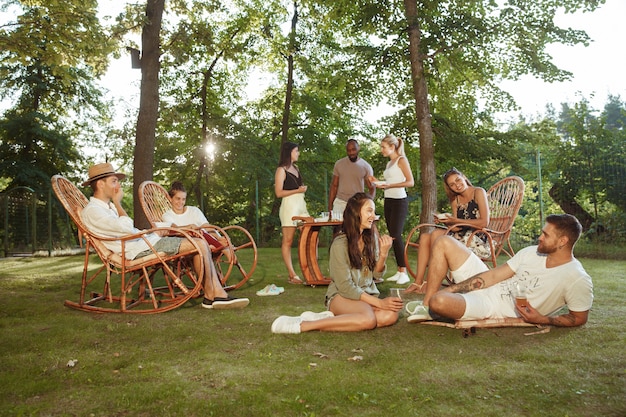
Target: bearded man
x,y
350,176
545,278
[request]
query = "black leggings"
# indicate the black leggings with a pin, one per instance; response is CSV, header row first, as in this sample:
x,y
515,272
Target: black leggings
x,y
396,210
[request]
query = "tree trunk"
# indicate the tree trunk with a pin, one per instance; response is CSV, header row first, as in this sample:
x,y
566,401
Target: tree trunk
x,y
288,93
148,104
204,91
422,112
569,205
286,110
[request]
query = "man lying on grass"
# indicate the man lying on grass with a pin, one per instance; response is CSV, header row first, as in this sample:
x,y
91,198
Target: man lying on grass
x,y
548,275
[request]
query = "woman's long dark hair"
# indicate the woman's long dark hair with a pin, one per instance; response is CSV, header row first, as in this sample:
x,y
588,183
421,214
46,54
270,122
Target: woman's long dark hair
x,y
285,153
351,228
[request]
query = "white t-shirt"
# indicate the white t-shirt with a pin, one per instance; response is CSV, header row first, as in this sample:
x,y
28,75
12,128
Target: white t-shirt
x,y
547,289
191,216
102,219
394,175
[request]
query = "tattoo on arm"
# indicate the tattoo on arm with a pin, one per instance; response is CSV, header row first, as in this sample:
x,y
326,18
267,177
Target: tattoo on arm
x,y
564,320
474,283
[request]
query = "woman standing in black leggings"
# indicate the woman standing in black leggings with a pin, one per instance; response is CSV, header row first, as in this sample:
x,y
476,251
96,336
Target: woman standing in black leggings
x,y
398,176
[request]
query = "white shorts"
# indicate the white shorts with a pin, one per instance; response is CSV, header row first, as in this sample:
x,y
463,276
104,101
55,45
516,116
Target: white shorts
x,y
489,303
472,266
293,205
339,206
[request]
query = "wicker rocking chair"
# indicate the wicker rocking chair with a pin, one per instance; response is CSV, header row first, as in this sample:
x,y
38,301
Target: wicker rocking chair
x,y
235,263
152,284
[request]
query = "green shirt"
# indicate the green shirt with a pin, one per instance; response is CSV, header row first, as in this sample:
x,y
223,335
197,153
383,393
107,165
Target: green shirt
x,y
347,281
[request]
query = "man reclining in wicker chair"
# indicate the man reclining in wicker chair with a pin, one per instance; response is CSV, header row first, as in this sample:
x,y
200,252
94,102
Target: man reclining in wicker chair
x,y
105,216
548,275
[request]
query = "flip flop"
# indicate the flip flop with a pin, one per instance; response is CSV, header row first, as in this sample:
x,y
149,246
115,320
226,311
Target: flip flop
x,y
295,280
416,288
270,289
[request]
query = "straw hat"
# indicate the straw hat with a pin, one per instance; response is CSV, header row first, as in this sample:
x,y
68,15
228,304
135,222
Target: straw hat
x,y
99,171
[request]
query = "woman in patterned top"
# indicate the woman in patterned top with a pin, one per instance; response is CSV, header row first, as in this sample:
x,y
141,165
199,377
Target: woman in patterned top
x,y
469,206
288,185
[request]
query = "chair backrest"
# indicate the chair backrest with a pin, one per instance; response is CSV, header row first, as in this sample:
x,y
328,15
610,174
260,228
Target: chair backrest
x,y
154,201
505,199
74,201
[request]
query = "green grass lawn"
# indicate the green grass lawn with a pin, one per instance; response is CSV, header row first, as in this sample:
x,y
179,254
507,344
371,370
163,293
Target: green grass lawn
x,y
197,362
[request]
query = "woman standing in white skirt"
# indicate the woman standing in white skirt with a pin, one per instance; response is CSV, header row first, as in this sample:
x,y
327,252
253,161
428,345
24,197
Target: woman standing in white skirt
x,y
288,186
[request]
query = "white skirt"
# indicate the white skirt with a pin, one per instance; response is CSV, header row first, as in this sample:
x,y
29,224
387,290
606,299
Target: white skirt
x,y
293,205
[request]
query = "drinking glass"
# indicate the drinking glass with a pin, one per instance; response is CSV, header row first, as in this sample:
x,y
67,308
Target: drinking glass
x,y
519,292
396,292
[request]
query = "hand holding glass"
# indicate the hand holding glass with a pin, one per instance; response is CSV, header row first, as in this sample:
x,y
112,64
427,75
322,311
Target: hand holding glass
x,y
396,292
519,292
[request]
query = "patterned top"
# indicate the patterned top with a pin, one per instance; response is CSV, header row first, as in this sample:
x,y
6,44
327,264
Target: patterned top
x,y
467,211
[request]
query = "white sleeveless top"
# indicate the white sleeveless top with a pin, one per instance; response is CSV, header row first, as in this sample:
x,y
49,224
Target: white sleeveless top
x,y
393,175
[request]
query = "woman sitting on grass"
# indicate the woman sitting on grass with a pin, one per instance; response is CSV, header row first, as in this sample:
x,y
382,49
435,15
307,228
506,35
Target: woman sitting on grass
x,y
357,256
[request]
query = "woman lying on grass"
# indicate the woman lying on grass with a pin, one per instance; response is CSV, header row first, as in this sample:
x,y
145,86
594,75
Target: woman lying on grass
x,y
357,256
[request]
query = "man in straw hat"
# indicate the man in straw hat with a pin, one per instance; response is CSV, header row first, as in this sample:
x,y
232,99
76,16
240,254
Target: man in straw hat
x,y
104,215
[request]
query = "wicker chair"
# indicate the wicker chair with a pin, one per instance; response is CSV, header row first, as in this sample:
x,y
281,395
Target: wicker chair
x,y
152,284
235,270
504,199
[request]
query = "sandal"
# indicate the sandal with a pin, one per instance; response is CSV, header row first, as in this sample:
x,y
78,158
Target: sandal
x,y
295,280
416,288
271,289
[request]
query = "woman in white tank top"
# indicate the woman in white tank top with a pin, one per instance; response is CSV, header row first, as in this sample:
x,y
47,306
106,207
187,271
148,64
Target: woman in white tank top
x,y
398,176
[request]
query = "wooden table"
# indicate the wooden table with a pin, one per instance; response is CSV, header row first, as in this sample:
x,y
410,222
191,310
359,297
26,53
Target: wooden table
x,y
307,250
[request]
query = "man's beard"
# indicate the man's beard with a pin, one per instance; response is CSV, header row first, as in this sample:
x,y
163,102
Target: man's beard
x,y
546,250
353,159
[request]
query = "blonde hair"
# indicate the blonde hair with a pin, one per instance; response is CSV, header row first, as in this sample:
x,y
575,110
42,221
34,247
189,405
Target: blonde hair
x,y
396,142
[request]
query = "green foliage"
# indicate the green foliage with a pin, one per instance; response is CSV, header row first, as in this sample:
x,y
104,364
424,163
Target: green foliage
x,y
33,149
349,56
588,163
50,55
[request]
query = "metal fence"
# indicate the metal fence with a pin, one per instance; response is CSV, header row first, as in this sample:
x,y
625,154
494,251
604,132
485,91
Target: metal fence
x,y
31,224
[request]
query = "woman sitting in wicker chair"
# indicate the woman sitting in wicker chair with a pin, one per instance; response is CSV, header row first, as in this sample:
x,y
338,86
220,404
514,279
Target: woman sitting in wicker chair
x,y
181,215
471,208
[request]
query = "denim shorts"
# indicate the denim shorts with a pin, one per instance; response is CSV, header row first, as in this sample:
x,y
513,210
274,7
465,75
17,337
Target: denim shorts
x,y
167,244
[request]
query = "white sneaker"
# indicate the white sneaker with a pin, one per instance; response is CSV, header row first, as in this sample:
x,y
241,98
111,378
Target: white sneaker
x,y
412,306
394,277
420,313
312,316
403,278
287,325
